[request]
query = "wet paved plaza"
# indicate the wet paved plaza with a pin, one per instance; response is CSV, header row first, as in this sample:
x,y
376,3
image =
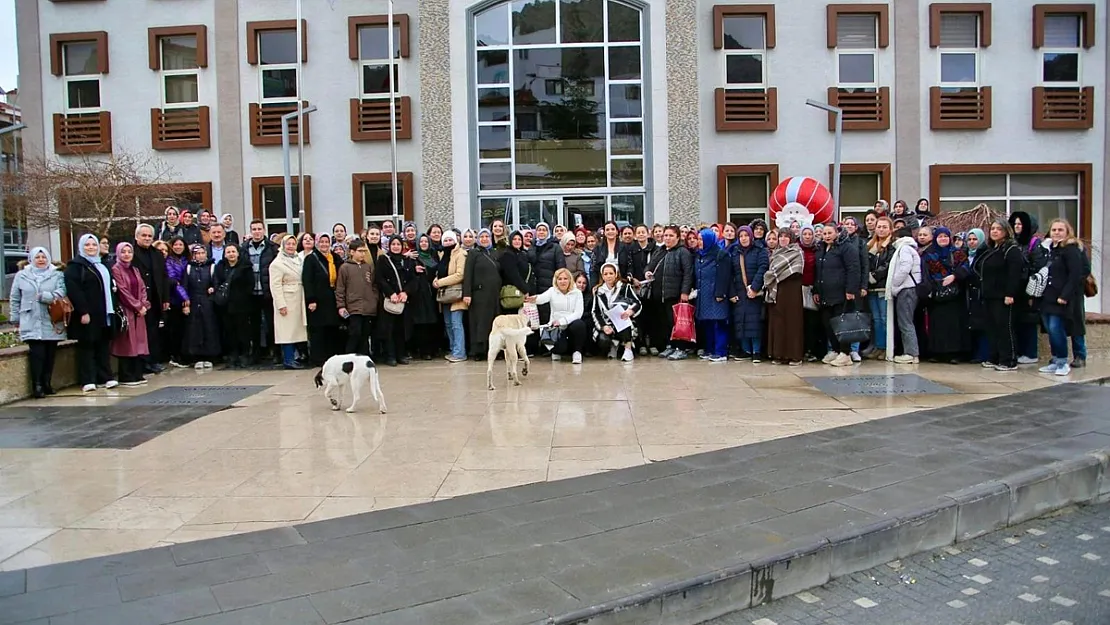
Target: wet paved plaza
x,y
166,472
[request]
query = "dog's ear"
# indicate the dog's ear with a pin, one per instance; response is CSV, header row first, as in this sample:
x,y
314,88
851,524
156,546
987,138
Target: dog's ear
x,y
319,378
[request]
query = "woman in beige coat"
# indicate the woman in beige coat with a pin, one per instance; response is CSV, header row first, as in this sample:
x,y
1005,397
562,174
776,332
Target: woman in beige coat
x,y
451,275
288,294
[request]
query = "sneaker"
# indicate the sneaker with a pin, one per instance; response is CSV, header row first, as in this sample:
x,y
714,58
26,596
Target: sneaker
x,y
612,352
643,351
829,357
855,357
1026,360
139,383
88,388
556,357
756,360
678,354
795,363
703,356
666,353
1049,368
906,359
199,365
1005,368
1063,369
174,363
841,360
111,384
986,364
701,352
1078,363
454,359
628,355
653,351
207,364
718,359
576,358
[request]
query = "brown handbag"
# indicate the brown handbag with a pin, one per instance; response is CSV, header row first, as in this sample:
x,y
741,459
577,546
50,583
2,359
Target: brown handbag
x,y
1090,287
60,310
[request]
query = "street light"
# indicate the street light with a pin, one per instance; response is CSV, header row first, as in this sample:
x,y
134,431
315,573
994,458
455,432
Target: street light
x,y
285,119
838,135
3,248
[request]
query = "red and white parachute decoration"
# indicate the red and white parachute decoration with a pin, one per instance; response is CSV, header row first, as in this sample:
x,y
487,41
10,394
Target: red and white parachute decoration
x,y
801,199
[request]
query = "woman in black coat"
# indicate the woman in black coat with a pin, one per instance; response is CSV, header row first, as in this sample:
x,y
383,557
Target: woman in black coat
x,y
515,269
672,278
481,293
318,276
427,330
92,292
837,284
997,275
1062,305
202,327
237,273
397,281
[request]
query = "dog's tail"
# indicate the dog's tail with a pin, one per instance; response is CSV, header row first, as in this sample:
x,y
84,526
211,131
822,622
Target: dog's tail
x,y
319,378
517,332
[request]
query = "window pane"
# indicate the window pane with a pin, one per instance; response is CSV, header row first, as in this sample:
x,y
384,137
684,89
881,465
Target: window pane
x,y
83,94
627,138
494,208
580,21
1044,185
533,21
1044,211
179,52
744,32
375,79
494,176
493,105
1062,31
965,205
493,67
532,212
857,68
80,58
627,209
493,142
747,191
624,22
745,218
744,69
625,101
585,211
859,190
373,42
624,63
279,83
377,199
1061,67
181,89
957,67
491,27
628,172
959,30
973,185
273,202
857,31
277,46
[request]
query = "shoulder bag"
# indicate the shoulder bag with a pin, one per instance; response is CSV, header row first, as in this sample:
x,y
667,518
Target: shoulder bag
x,y
853,326
511,297
1038,281
391,307
60,310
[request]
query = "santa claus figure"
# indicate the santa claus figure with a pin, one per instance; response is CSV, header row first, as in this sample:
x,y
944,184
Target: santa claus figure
x,y
802,200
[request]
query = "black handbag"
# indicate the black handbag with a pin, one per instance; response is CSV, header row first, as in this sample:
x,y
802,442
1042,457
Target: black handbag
x,y
942,293
851,326
222,294
120,324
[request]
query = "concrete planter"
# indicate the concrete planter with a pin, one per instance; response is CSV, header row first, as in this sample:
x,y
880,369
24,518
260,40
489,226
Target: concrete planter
x,y
15,371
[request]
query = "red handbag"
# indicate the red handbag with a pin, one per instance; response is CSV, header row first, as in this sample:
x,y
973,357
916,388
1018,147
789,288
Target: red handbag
x,y
684,323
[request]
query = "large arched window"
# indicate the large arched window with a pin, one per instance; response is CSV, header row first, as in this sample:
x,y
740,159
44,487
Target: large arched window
x,y
558,90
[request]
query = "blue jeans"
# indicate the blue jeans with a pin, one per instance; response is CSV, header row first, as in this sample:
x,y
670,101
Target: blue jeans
x,y
751,346
1079,347
980,348
1057,338
453,320
1025,339
878,319
288,353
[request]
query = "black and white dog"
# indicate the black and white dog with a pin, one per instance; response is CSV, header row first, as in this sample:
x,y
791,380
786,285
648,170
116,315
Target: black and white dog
x,y
350,370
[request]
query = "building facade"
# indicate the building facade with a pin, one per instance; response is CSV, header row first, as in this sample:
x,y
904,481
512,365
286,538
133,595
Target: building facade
x,y
580,111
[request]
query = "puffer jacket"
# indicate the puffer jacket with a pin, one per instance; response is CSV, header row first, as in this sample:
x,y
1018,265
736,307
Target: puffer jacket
x,y
175,275
905,267
545,259
30,299
672,272
355,288
838,271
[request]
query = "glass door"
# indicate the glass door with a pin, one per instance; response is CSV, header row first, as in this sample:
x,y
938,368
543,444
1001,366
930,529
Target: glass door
x,y
531,211
584,211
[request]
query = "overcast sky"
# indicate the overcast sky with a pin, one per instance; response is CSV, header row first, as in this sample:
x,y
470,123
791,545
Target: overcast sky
x,y
9,64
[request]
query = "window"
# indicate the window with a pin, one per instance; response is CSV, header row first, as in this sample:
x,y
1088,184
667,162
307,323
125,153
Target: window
x,y
80,59
745,101
1060,55
1045,196
959,50
273,47
745,44
81,73
268,202
857,51
180,71
178,53
861,186
380,73
376,61
743,192
373,198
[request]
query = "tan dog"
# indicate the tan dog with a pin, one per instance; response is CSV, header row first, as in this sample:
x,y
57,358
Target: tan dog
x,y
509,333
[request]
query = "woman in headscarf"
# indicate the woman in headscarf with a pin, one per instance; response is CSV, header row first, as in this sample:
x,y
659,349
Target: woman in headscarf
x,y
397,282
319,273
34,289
782,288
481,292
749,263
998,272
813,330
238,274
516,271
946,269
450,273
339,250
230,235
611,293
975,242
171,225
202,326
713,280
176,264
92,292
408,230
922,212
288,297
572,256
130,345
880,249
427,328
759,231
468,239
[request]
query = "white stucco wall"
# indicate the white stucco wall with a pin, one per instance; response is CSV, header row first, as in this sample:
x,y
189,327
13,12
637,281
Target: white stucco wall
x,y
802,67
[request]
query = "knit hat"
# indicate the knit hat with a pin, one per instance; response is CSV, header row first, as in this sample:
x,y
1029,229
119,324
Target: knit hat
x,y
449,237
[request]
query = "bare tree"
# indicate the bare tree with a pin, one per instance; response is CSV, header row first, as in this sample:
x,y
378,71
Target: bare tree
x,y
92,192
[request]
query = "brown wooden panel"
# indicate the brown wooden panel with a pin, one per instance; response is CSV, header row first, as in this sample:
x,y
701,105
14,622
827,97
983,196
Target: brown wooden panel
x,y
724,171
1085,11
355,21
59,39
746,109
862,110
721,11
1059,108
964,110
265,123
200,31
369,119
937,9
83,133
180,129
882,11
253,28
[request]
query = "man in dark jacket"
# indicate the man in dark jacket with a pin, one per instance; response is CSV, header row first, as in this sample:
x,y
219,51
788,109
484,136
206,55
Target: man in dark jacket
x,y
190,231
152,267
837,283
260,252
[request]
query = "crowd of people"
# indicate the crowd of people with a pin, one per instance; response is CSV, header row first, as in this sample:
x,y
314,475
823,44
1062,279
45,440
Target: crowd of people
x,y
196,294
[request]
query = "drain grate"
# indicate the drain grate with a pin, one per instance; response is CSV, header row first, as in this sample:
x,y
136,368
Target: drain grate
x,y
194,396
908,384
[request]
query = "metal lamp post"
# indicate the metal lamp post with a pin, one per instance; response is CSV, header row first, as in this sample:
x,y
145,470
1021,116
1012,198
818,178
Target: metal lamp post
x,y
285,148
3,248
838,137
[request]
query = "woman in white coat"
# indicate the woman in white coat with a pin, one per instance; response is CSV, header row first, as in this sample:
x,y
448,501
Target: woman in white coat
x,y
34,288
566,317
288,294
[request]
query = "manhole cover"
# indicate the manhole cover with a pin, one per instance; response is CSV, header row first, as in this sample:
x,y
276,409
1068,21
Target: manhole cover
x,y
909,384
195,396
